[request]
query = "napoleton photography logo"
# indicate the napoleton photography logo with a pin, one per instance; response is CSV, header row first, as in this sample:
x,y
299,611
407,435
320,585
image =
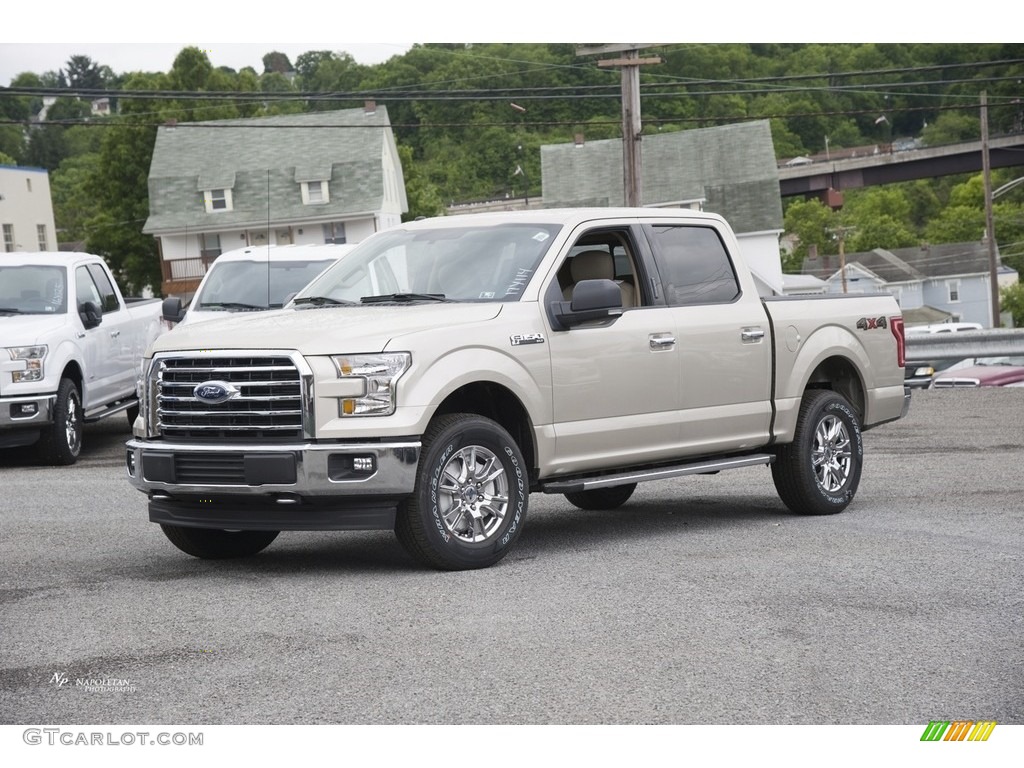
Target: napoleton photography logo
x,y
93,684
958,730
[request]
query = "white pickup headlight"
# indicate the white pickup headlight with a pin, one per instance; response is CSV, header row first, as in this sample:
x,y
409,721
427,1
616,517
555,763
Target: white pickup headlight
x,y
380,373
33,357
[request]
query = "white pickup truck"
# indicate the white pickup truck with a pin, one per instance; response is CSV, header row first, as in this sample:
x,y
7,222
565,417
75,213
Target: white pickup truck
x,y
71,349
445,369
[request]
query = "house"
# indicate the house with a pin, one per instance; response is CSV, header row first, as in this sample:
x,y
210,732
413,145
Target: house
x,y
26,210
931,283
318,177
730,170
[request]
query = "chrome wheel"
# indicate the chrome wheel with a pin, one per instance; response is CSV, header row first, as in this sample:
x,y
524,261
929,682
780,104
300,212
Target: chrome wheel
x,y
473,494
73,426
832,454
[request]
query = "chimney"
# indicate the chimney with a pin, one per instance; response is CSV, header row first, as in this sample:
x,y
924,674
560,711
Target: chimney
x,y
578,139
812,251
370,106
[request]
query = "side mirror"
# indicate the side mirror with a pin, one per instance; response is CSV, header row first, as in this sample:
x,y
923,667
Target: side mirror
x,y
173,312
90,313
591,300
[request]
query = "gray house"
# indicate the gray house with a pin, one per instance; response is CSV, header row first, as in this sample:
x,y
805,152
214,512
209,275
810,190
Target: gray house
x,y
931,283
730,170
319,177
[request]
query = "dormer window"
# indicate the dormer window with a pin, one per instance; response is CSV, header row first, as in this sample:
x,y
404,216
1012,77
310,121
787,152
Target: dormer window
x,y
315,192
218,200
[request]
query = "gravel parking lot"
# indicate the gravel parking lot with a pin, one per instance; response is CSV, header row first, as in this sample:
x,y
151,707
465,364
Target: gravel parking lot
x,y
702,601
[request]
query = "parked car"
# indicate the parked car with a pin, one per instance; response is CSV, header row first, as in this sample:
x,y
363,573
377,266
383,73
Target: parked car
x,y
982,372
943,328
253,279
920,375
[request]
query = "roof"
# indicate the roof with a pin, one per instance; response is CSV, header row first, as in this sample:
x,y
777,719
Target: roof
x,y
46,258
900,265
343,146
565,216
292,252
731,168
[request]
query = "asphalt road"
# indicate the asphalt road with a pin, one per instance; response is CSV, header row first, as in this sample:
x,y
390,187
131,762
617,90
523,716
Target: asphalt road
x,y
702,601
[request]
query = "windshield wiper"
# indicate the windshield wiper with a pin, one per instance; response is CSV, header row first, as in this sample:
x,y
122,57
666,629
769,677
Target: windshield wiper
x,y
228,305
319,301
403,297
10,311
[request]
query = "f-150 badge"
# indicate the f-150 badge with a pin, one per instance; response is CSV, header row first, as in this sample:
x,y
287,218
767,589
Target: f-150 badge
x,y
526,338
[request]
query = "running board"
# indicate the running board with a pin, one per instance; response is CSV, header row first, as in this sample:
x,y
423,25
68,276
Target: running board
x,y
709,466
109,410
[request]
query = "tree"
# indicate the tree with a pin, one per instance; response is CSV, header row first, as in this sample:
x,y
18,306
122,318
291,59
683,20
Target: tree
x,y
82,72
423,197
1011,299
276,62
812,223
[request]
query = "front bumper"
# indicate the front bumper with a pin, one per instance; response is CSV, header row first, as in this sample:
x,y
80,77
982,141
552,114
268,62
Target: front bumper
x,y
297,486
28,411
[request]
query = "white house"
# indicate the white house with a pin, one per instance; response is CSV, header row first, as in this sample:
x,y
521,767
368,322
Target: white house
x,y
316,177
26,210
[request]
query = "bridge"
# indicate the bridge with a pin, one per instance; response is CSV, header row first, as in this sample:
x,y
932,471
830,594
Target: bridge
x,y
825,179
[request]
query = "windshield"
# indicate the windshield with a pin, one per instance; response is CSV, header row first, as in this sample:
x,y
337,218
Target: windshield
x,y
33,289
482,263
233,285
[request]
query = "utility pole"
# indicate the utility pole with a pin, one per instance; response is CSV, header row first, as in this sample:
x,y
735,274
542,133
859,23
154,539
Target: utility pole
x,y
990,230
840,232
630,64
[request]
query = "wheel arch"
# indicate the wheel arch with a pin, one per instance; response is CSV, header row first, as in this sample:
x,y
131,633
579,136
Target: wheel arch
x,y
498,403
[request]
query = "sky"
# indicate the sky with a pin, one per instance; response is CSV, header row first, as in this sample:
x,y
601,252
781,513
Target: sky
x,y
113,32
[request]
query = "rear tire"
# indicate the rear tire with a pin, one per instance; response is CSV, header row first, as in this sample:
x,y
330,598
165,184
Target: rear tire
x,y
61,442
602,498
818,473
471,495
215,544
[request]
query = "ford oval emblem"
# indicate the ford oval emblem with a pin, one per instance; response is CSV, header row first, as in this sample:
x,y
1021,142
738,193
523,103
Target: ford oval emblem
x,y
214,392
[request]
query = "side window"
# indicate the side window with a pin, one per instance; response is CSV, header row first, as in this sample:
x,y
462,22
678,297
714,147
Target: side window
x,y
85,288
107,292
606,254
694,265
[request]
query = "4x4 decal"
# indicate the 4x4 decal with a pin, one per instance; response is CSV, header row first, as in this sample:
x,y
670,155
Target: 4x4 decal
x,y
870,323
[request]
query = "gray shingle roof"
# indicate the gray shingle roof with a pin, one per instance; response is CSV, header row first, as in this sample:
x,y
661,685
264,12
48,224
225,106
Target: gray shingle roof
x,y
731,167
263,161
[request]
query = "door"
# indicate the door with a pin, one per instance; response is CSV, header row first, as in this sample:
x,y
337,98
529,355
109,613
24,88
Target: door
x,y
724,340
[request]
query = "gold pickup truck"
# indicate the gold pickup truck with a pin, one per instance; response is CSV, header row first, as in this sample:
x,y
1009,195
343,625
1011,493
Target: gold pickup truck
x,y
446,369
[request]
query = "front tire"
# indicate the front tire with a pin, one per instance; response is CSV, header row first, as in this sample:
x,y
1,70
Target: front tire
x,y
818,473
471,495
61,442
215,544
601,498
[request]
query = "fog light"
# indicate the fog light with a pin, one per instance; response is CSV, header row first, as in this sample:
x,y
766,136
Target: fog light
x,y
24,410
343,466
129,461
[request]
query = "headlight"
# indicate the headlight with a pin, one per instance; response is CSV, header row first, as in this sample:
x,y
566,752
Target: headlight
x,y
380,373
33,357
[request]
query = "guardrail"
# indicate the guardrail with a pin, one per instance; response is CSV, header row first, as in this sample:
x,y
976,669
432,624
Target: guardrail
x,y
995,342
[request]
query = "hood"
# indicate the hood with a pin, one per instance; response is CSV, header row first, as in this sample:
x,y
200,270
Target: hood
x,y
986,375
24,330
323,330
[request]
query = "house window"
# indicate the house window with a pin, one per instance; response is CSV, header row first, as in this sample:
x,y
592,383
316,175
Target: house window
x,y
334,232
9,237
315,192
218,200
954,291
41,234
210,246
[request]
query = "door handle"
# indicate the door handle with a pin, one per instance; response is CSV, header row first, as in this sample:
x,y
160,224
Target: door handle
x,y
661,341
751,335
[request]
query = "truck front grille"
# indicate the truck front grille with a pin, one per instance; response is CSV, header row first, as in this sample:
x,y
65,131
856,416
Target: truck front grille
x,y
265,403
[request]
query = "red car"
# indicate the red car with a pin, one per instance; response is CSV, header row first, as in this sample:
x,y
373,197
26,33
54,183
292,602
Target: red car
x,y
982,372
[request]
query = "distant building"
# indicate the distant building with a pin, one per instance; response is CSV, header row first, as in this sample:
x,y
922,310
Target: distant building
x,y
730,170
317,177
26,210
931,283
